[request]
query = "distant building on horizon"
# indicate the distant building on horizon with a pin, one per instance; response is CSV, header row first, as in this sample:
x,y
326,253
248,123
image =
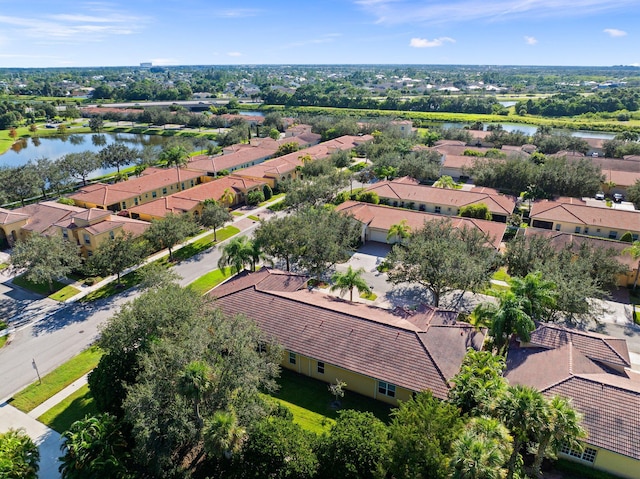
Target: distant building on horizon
x,y
146,65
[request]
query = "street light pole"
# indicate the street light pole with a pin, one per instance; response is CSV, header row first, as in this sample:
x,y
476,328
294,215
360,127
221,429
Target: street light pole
x,y
33,363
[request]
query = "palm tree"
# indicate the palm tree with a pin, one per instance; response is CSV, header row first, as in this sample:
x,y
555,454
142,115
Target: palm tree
x,y
481,451
521,409
195,382
19,455
176,155
223,436
227,197
237,254
399,231
506,318
538,295
634,252
348,280
445,181
561,426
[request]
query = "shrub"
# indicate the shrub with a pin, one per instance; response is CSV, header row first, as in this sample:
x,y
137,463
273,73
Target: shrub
x,y
267,192
480,211
66,201
255,197
369,197
627,237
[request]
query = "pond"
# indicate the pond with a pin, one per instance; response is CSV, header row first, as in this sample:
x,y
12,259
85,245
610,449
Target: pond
x,y
531,129
57,146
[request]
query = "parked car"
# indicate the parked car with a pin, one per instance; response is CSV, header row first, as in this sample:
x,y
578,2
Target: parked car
x,y
600,196
617,197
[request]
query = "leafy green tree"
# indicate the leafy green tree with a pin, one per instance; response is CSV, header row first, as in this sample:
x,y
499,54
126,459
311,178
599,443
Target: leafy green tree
x,y
634,252
223,436
175,155
19,456
633,194
80,165
480,211
255,197
281,239
95,448
22,183
117,155
349,280
506,318
286,148
214,215
267,192
422,433
521,409
169,231
45,258
482,450
445,182
355,448
560,426
96,124
442,258
277,448
114,255
479,383
274,134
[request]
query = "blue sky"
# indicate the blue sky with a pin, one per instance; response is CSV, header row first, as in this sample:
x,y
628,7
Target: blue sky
x,y
47,33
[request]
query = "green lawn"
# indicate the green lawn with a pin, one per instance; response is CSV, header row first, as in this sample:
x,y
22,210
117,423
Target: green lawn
x,y
369,296
274,197
253,217
501,275
127,281
210,280
3,340
204,243
58,379
39,288
71,409
65,293
3,266
312,401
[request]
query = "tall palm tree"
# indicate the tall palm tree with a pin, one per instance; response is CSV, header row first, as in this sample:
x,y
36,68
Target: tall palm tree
x,y
521,409
237,254
538,295
348,280
227,197
399,231
561,426
482,450
223,436
506,318
634,252
195,382
176,155
445,181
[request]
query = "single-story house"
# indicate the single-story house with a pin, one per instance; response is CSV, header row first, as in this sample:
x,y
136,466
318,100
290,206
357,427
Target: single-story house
x,y
384,354
573,215
377,220
592,370
153,183
440,200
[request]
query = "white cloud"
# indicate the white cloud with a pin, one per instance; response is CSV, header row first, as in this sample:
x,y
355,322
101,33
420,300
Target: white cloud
x,y
457,11
237,13
530,40
614,32
234,54
425,43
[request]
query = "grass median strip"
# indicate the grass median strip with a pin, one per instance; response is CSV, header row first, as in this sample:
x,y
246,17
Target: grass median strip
x,y
65,293
39,288
71,409
58,379
210,280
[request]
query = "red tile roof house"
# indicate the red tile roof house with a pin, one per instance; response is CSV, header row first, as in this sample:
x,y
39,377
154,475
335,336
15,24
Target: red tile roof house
x,y
442,201
384,354
572,215
591,370
192,200
560,241
154,183
287,167
377,220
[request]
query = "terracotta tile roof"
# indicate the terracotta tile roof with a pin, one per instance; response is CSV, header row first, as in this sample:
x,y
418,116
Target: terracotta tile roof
x,y
163,206
497,204
107,194
43,215
598,347
216,163
560,240
10,216
92,214
216,188
622,178
383,217
370,341
576,211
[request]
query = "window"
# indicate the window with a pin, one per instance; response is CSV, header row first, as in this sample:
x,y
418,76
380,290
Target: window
x,y
320,367
135,201
182,185
154,194
192,183
292,358
164,191
438,209
577,229
613,234
124,205
386,389
586,230
588,454
558,226
87,239
65,233
112,235
634,237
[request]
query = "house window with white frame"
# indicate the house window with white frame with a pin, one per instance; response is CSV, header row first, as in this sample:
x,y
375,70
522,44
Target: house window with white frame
x,y
587,455
320,367
387,389
292,358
